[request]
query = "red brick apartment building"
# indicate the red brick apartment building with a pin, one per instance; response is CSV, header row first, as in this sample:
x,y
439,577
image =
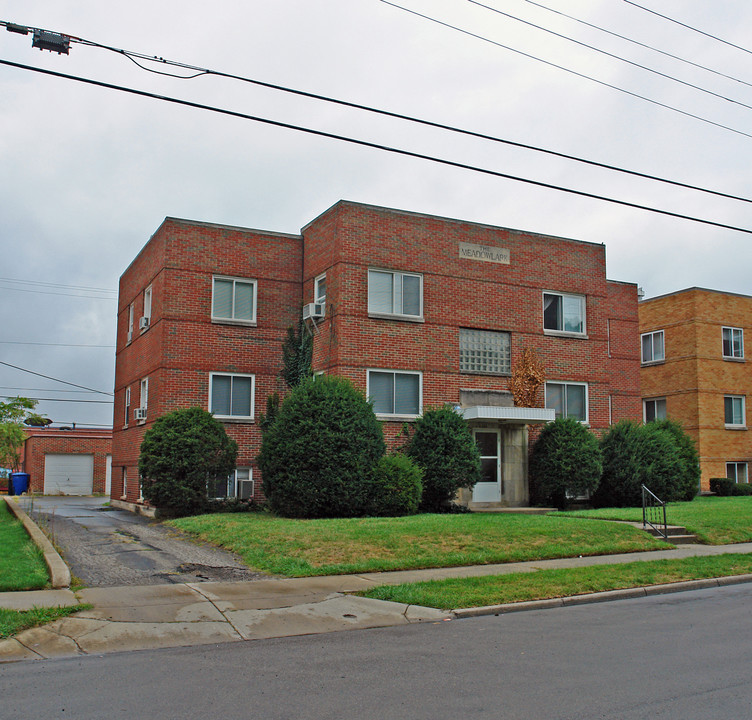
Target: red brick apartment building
x,y
417,311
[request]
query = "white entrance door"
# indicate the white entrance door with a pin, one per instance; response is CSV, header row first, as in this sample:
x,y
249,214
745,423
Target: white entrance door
x,y
490,488
68,474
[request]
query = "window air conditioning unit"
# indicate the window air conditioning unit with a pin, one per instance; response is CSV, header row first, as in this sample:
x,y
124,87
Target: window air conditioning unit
x,y
245,489
140,413
313,311
143,323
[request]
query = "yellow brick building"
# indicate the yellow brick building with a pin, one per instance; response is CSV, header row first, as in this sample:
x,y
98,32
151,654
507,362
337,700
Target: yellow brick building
x,y
694,370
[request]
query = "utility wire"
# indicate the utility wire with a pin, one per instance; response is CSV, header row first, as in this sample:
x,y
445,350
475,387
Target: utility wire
x,y
65,400
689,27
400,116
19,342
365,143
611,55
48,292
13,387
637,42
569,70
57,285
64,382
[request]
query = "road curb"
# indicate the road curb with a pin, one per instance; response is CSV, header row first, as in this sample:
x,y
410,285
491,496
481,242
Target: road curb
x,y
60,576
626,593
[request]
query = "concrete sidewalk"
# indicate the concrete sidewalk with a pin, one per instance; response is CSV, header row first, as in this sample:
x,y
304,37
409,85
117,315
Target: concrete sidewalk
x,y
156,616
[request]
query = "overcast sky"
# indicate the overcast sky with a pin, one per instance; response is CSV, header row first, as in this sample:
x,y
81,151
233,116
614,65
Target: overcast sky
x,y
87,174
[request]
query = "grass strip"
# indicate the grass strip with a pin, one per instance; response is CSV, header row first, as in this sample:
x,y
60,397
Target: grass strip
x,y
543,584
715,520
22,565
300,548
13,622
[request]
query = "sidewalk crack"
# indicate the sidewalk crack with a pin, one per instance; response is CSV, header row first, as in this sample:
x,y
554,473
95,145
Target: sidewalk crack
x,y
195,589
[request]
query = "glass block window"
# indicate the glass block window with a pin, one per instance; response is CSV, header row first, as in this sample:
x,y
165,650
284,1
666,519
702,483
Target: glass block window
x,y
485,351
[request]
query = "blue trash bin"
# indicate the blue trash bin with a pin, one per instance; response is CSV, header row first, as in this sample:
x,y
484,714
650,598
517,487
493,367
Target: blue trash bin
x,y
19,483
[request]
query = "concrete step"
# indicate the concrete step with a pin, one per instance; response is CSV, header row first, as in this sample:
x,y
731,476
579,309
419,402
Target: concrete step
x,y
677,535
494,508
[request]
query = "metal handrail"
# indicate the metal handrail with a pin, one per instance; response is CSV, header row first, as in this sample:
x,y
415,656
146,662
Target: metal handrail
x,y
653,509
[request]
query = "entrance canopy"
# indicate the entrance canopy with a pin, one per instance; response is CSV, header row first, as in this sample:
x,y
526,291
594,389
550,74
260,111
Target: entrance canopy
x,y
511,415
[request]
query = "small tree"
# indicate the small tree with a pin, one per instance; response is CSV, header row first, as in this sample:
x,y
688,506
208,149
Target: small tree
x,y
12,437
297,354
634,455
528,375
396,486
317,457
181,455
441,443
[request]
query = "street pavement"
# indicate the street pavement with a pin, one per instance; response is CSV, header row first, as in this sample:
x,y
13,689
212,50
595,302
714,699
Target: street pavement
x,y
201,611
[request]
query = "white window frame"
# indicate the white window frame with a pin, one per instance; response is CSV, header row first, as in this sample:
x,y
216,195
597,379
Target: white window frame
x,y
318,296
743,422
397,372
653,360
232,484
240,418
566,383
732,331
645,403
143,398
396,274
488,350
561,331
127,405
125,483
131,317
235,281
735,466
147,302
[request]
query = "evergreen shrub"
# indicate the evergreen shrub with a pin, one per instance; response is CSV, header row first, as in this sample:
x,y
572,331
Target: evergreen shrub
x,y
318,455
396,486
689,480
181,454
565,463
442,444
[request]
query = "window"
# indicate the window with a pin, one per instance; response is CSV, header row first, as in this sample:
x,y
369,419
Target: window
x,y
131,312
652,347
234,299
127,405
395,293
733,410
737,471
654,409
733,342
147,302
568,400
238,484
484,351
125,483
395,393
144,400
564,313
231,396
319,289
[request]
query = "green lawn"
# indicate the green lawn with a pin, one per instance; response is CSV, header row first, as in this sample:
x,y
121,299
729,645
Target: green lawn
x,y
22,565
715,520
519,587
298,548
14,621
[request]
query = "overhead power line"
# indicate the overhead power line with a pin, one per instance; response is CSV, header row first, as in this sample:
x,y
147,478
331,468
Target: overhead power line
x,y
637,42
65,400
689,27
18,342
568,70
376,146
44,390
64,382
198,71
57,285
613,56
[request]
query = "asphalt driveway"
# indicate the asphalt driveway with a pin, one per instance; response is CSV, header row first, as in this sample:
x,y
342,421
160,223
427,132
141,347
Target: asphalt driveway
x,y
105,546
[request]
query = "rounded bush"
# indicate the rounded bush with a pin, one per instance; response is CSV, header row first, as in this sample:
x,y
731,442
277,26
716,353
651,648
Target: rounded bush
x,y
689,480
317,456
180,454
443,446
397,486
565,463
635,454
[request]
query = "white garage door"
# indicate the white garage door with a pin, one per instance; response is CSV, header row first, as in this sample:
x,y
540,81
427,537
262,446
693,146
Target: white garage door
x,y
68,474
